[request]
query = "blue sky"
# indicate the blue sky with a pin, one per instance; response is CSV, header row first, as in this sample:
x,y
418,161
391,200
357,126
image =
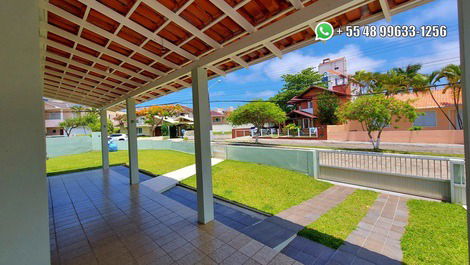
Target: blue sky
x,y
372,54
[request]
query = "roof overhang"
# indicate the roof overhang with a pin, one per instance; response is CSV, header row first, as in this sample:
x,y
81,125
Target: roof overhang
x,y
99,53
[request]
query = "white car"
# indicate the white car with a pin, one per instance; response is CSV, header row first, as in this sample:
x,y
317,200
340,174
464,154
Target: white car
x,y
118,137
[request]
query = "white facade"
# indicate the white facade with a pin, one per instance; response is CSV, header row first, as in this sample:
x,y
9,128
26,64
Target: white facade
x,y
338,65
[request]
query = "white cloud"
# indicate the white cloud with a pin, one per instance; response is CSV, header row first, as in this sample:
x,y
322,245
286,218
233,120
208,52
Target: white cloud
x,y
439,54
443,10
298,60
216,93
260,94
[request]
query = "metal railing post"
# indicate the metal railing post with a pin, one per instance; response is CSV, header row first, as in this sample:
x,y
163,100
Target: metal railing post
x,y
457,179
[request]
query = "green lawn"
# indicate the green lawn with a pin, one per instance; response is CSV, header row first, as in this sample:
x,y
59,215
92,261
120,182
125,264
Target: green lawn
x,y
436,234
155,161
332,228
267,188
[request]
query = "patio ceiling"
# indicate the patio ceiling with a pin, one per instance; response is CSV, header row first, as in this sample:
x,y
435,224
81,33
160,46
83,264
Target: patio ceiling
x,y
99,53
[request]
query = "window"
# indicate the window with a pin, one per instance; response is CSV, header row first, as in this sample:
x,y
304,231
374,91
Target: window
x,y
139,130
53,116
426,120
309,105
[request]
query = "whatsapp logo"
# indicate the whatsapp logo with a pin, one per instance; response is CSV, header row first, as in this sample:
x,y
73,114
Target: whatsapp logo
x,y
324,31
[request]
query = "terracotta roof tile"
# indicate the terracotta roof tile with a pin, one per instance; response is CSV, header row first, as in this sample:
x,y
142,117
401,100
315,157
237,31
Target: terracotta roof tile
x,y
424,100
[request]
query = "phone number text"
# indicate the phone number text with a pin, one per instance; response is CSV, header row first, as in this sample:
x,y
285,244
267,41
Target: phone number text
x,y
396,31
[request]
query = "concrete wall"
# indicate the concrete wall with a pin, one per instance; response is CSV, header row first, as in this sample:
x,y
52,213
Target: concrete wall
x,y
425,187
298,160
342,133
24,220
59,146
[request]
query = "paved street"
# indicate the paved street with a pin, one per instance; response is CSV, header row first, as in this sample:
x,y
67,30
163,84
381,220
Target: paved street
x,y
405,147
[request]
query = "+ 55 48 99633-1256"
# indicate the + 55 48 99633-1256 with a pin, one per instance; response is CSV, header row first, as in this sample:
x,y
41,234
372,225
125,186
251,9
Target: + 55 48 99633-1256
x,y
396,31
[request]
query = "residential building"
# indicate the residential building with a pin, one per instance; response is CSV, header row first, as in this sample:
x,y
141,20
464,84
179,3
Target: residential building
x,y
56,111
431,118
305,112
184,120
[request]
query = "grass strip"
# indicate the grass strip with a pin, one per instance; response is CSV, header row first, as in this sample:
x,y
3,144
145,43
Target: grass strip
x,y
267,188
155,161
436,234
332,228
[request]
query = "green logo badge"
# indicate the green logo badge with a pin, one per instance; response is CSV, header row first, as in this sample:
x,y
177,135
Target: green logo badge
x,y
324,31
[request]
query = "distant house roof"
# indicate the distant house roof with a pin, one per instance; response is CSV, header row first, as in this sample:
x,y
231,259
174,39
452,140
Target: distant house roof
x,y
302,113
216,113
327,60
424,100
301,97
333,72
57,105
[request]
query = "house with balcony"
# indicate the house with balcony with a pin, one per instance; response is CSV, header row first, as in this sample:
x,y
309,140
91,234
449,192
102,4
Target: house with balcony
x,y
305,106
55,112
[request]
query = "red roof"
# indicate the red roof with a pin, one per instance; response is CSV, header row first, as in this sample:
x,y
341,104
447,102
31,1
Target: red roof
x,y
216,113
303,113
300,97
424,100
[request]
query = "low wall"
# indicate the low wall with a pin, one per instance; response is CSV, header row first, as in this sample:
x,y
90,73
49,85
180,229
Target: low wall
x,y
298,160
426,187
59,146
423,136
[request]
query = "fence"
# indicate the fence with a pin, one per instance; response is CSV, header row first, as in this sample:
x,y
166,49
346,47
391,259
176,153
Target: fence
x,y
433,177
410,165
416,175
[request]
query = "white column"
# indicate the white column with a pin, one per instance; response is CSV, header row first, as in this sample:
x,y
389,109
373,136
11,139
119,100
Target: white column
x,y
24,219
464,32
202,127
132,141
104,139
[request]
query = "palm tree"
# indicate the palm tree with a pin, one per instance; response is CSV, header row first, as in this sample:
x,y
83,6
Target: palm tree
x,y
453,74
428,83
370,82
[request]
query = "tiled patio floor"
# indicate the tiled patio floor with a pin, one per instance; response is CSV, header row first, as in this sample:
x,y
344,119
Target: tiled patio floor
x,y
230,216
100,219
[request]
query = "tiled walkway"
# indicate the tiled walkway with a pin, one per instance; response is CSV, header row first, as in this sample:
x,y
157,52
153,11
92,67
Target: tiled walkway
x,y
277,230
170,179
96,219
377,238
375,241
309,211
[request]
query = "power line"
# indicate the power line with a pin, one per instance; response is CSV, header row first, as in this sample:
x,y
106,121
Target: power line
x,y
278,101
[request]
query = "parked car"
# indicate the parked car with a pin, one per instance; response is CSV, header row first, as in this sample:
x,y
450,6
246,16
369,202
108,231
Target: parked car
x,y
118,137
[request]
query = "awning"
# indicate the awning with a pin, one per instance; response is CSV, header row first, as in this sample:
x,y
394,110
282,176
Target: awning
x,y
302,113
100,53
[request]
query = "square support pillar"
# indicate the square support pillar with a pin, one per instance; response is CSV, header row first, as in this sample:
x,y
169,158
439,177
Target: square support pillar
x,y
464,34
24,218
104,139
202,127
132,141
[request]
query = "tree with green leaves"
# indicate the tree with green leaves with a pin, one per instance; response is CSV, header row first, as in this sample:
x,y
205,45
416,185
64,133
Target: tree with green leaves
x,y
376,112
453,74
78,110
156,115
258,114
327,104
294,84
72,123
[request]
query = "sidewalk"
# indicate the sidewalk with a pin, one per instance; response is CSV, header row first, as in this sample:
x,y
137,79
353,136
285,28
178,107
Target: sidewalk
x,y
169,180
404,147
